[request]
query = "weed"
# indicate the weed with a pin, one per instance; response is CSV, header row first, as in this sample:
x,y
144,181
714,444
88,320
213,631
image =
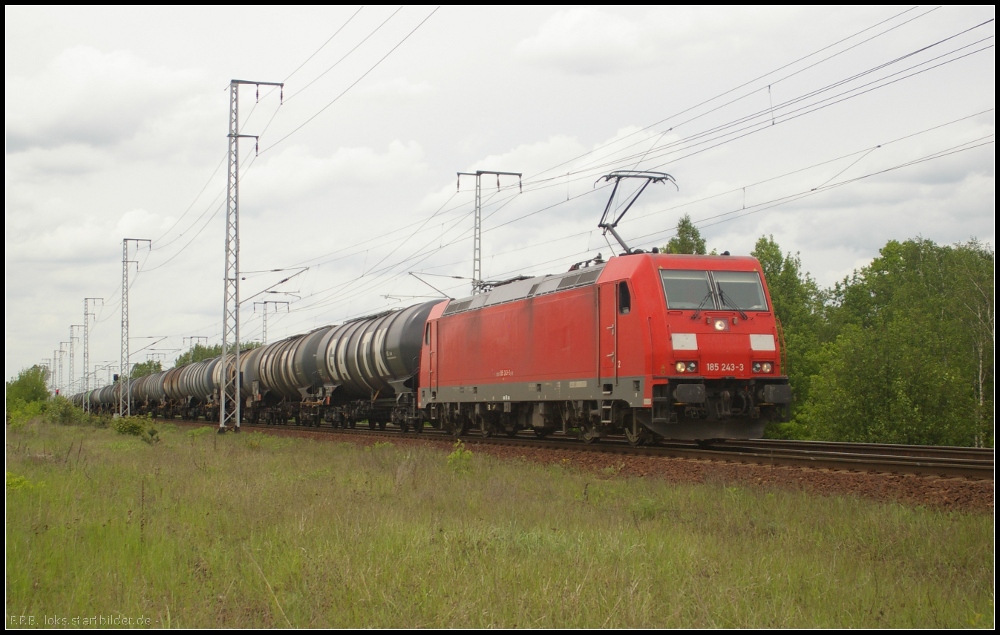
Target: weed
x,y
15,482
614,470
150,436
460,460
197,432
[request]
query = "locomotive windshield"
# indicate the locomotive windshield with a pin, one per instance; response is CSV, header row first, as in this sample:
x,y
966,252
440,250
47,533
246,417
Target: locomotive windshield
x,y
692,289
687,289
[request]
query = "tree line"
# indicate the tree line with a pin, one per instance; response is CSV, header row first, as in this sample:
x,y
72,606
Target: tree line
x,y
900,351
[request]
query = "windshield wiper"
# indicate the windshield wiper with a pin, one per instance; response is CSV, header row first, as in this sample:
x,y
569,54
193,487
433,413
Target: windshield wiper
x,y
725,301
704,300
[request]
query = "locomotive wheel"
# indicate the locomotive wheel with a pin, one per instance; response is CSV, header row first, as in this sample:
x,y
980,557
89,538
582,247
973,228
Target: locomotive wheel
x,y
634,437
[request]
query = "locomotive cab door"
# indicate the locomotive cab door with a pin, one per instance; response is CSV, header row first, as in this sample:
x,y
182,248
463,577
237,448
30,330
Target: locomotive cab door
x,y
431,341
607,337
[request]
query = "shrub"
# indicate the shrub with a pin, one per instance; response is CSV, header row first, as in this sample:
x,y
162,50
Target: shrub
x,y
130,425
460,460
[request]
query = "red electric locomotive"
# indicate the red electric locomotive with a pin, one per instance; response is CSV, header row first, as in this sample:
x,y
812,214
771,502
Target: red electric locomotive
x,y
683,347
646,344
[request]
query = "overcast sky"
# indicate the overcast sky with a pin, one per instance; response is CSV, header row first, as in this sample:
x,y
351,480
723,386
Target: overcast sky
x,y
832,129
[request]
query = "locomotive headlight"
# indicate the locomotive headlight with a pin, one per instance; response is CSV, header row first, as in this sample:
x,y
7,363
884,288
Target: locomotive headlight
x,y
681,367
767,367
692,367
756,367
720,325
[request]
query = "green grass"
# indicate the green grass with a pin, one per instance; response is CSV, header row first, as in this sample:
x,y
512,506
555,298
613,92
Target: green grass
x,y
248,530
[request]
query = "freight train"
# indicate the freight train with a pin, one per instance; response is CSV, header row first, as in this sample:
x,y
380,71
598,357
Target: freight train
x,y
647,345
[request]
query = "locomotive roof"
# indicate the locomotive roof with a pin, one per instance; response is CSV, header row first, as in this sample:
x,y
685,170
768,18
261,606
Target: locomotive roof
x,y
620,267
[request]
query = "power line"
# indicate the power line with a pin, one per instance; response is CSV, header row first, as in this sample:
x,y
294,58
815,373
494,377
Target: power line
x,y
335,64
299,67
365,74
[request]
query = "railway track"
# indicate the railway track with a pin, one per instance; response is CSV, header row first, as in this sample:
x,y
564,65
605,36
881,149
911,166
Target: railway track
x,y
949,462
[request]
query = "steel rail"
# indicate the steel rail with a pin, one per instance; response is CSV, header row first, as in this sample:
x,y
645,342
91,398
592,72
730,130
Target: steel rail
x,y
853,457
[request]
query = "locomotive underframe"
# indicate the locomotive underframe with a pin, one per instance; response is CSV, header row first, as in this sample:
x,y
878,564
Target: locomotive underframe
x,y
683,408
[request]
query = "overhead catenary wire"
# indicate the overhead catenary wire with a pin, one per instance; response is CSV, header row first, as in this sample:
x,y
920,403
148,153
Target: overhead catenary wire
x,y
322,46
785,66
424,223
345,56
353,84
326,302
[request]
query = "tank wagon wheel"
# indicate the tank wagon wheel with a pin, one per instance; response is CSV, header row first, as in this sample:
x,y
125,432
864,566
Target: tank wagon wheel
x,y
372,424
418,426
511,433
381,426
541,433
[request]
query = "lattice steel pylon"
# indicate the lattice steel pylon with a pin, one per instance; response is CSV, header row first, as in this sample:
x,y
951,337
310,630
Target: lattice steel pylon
x,y
124,384
229,387
72,357
86,351
263,336
62,386
477,239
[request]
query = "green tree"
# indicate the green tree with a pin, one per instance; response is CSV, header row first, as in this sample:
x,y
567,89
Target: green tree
x,y
146,368
912,358
198,353
799,309
29,386
688,239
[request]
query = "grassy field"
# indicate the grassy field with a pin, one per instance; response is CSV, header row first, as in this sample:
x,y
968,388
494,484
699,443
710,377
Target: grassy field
x,y
248,530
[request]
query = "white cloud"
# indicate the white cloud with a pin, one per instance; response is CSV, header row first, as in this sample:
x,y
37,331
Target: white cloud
x,y
296,173
395,89
587,40
91,97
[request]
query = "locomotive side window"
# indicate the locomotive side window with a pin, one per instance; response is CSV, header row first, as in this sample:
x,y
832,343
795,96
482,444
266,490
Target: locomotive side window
x,y
686,289
742,289
624,298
